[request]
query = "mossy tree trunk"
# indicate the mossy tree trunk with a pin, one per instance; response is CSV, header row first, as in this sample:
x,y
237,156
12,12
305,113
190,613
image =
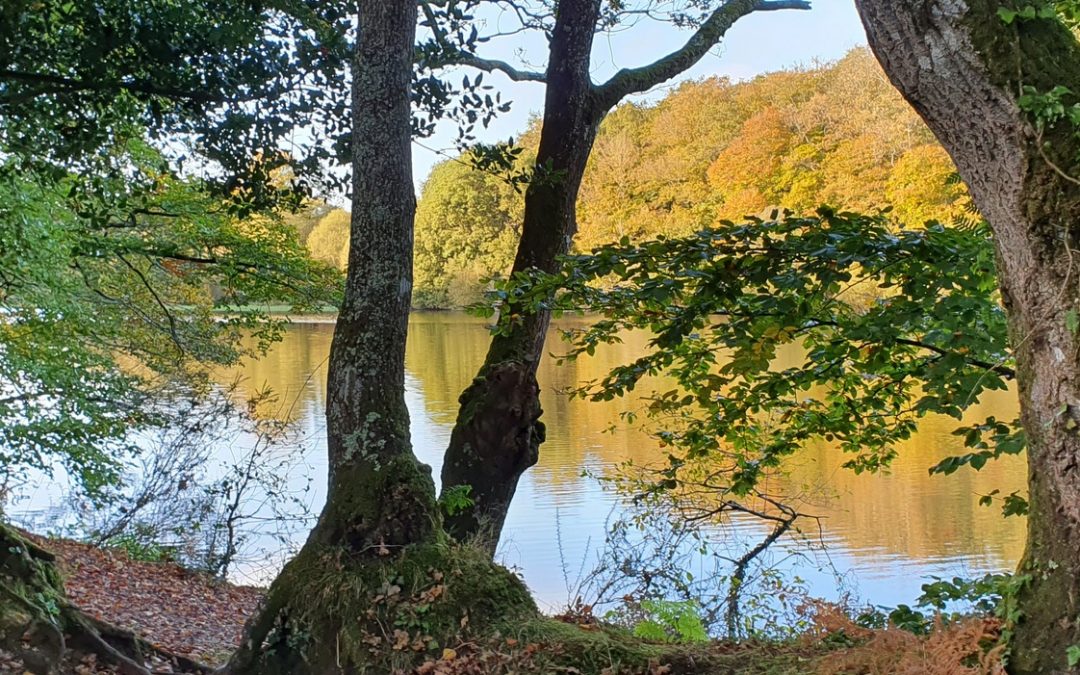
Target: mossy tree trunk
x,y
378,493
963,68
498,431
377,586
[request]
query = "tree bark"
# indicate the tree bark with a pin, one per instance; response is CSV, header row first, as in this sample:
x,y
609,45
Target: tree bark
x,y
963,68
376,584
378,493
379,497
498,431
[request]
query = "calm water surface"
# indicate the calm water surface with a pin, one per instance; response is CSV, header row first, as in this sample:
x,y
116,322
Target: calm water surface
x,y
885,533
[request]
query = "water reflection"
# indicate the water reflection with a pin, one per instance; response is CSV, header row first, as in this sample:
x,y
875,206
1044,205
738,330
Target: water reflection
x,y
891,531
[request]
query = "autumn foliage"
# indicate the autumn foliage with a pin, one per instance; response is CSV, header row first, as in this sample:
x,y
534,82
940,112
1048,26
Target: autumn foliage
x,y
711,150
965,647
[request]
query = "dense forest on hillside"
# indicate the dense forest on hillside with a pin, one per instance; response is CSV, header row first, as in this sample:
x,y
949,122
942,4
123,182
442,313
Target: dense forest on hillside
x,y
712,149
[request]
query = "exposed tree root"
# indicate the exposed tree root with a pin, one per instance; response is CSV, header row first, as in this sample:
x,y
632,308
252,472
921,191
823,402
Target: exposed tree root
x,y
40,627
333,611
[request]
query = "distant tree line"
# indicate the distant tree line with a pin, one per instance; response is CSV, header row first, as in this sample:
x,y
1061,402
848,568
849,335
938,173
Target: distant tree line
x,y
711,150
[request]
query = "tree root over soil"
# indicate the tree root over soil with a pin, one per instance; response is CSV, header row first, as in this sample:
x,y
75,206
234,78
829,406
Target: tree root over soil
x,y
43,632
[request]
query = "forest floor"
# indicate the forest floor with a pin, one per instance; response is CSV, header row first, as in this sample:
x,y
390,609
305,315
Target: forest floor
x,y
179,611
197,617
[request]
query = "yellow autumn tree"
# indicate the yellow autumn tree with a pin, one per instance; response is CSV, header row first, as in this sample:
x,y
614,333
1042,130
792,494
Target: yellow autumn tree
x,y
329,240
835,134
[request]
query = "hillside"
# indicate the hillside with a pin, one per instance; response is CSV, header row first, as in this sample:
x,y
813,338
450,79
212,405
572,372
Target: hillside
x,y
712,149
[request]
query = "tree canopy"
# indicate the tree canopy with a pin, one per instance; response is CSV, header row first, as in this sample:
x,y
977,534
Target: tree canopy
x,y
467,227
892,325
837,134
108,307
144,177
231,80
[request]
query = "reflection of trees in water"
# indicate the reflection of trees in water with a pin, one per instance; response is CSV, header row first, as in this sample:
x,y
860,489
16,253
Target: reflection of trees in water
x,y
294,368
446,349
443,352
906,512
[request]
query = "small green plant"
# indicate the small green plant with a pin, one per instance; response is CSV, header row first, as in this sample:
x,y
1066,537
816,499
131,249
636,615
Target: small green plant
x,y
983,595
1028,13
49,605
1073,655
980,596
670,621
142,550
456,499
903,617
1008,610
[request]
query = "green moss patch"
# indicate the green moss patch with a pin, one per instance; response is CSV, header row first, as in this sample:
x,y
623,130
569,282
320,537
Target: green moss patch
x,y
387,612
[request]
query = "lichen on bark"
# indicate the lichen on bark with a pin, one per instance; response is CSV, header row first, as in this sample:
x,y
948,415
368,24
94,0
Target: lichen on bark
x,y
965,69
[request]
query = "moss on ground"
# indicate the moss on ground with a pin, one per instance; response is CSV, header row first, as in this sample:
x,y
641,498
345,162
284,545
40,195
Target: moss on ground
x,y
31,597
610,650
445,608
332,611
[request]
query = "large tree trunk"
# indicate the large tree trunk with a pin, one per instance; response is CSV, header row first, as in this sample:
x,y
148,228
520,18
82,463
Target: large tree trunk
x,y
962,67
498,430
378,493
378,554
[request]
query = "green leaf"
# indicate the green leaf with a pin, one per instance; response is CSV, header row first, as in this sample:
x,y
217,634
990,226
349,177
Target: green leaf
x,y
1072,655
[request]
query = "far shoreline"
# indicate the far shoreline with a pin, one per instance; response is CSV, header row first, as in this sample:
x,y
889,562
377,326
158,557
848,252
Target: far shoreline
x,y
325,317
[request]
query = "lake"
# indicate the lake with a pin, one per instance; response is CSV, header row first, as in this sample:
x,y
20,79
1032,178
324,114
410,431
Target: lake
x,y
885,535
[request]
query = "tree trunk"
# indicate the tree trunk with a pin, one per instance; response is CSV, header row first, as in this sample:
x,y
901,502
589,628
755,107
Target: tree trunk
x,y
377,560
962,67
498,430
378,493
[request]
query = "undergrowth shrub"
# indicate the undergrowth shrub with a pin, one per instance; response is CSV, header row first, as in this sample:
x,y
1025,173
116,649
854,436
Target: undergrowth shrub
x,y
967,646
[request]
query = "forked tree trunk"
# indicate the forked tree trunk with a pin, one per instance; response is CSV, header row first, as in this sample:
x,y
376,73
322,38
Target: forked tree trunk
x,y
963,68
378,553
498,430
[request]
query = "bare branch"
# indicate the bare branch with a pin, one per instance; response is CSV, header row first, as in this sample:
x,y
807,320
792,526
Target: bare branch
x,y
634,80
177,340
490,65
456,56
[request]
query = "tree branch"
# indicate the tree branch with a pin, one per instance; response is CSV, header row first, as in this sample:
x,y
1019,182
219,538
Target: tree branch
x,y
1002,370
173,332
456,56
490,65
999,368
634,80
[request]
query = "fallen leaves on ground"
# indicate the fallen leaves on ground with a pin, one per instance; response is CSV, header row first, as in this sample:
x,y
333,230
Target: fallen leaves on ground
x,y
177,610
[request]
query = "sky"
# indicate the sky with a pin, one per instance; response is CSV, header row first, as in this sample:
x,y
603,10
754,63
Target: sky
x,y
760,43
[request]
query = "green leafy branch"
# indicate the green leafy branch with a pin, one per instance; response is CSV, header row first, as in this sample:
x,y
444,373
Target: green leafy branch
x,y
889,325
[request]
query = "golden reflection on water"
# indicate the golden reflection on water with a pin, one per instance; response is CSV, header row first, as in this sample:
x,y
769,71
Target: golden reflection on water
x,y
924,523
